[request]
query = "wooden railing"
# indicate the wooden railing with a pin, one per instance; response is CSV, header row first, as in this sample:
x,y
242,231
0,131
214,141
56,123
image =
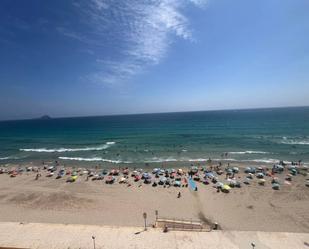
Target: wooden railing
x,y
182,224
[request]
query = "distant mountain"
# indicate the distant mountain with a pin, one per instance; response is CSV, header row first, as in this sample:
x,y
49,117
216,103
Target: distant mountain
x,y
45,117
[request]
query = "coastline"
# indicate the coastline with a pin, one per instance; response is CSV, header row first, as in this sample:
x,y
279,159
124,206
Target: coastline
x,y
146,165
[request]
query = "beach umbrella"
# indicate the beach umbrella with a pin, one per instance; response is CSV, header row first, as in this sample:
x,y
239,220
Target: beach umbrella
x,y
134,173
72,179
219,172
292,167
145,175
278,168
50,174
250,176
125,171
155,171
231,183
275,180
147,180
260,175
177,183
110,179
275,186
163,179
219,185
214,179
229,170
288,177
167,171
246,181
14,174
237,184
259,169
137,178
247,169
235,169
250,170
226,188
293,171
122,180
209,175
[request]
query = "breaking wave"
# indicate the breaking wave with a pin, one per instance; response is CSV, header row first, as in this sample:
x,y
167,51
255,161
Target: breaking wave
x,y
161,160
92,159
270,160
294,141
9,158
101,147
248,152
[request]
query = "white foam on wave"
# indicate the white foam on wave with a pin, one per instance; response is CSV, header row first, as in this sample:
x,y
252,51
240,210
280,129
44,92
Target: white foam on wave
x,y
248,152
170,159
265,160
92,159
198,160
9,158
161,160
269,160
101,147
294,142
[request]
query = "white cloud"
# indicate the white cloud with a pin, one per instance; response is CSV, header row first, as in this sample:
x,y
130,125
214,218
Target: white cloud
x,y
101,4
200,3
138,33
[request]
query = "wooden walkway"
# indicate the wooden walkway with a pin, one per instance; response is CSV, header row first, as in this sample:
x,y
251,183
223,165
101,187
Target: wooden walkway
x,y
182,225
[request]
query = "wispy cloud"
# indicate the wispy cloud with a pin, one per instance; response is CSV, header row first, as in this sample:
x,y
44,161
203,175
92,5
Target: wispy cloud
x,y
136,34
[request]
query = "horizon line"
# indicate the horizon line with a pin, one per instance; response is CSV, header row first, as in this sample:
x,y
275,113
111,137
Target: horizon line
x,y
150,113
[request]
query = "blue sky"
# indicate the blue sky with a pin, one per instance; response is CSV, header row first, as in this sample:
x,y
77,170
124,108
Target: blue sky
x,y
97,57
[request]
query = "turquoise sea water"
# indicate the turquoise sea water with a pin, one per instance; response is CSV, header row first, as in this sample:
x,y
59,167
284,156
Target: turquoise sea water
x,y
261,135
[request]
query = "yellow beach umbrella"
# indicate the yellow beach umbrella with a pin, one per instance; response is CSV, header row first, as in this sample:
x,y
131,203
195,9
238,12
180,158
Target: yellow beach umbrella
x,y
226,187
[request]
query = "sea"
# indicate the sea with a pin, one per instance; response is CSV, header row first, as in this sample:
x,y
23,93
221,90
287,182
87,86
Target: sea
x,y
263,136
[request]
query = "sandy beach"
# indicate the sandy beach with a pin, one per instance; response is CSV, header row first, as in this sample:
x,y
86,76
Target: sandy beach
x,y
249,208
38,236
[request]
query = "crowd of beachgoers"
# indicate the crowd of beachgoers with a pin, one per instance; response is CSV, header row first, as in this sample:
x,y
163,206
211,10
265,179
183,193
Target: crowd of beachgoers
x,y
223,178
